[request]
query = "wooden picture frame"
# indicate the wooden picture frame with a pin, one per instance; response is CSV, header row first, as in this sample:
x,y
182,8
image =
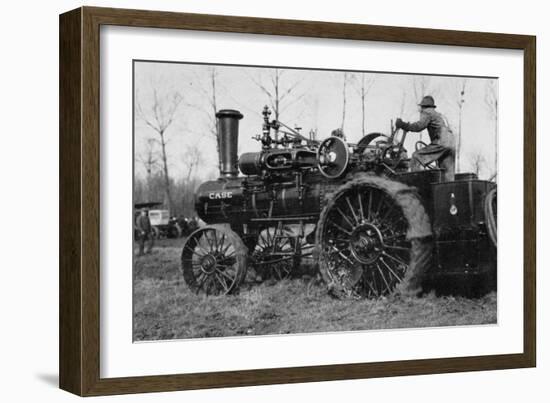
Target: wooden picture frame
x,y
79,348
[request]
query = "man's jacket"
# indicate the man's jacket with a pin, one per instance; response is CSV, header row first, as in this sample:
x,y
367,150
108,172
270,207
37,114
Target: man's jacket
x,y
144,224
437,126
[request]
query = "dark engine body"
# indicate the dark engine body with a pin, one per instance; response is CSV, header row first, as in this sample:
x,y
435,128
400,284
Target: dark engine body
x,y
248,200
455,208
283,184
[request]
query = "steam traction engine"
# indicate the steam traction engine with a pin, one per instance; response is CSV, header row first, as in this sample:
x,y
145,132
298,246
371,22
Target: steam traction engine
x,y
371,225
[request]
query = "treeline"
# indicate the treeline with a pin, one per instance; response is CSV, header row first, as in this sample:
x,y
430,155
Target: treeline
x,y
164,109
152,189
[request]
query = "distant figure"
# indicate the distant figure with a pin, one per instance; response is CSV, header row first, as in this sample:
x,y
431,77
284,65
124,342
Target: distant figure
x,y
192,225
442,146
338,133
145,231
200,223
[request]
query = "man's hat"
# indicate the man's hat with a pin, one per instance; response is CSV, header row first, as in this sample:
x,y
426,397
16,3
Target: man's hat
x,y
338,133
427,102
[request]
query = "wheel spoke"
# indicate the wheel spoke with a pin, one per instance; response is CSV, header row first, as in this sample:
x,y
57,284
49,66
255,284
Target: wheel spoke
x,y
375,284
383,277
197,270
339,240
222,242
399,279
352,211
360,206
370,286
274,241
369,208
193,251
339,252
264,242
208,240
221,281
230,272
225,249
281,271
276,272
286,242
345,217
395,247
202,250
225,274
214,240
268,235
216,246
201,279
345,231
394,258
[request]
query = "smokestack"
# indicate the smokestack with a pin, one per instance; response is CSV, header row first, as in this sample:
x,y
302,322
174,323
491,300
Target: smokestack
x,y
228,141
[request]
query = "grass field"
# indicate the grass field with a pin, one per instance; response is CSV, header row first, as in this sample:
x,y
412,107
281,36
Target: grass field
x,y
164,308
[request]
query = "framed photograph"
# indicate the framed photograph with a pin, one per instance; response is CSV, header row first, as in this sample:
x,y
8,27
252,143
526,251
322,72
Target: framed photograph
x,y
248,201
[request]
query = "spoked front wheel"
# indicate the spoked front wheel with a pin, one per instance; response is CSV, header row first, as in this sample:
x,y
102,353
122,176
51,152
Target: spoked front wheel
x,y
214,261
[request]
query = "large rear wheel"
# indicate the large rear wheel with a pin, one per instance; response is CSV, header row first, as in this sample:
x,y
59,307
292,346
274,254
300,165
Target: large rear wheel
x,y
373,238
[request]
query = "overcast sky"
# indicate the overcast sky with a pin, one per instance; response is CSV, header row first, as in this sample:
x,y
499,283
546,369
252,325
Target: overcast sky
x,y
315,102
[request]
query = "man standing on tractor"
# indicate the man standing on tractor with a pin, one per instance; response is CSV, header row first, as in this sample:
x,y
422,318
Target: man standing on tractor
x,y
442,146
145,232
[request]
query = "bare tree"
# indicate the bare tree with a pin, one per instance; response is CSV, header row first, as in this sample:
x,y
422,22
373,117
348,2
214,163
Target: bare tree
x,y
191,161
345,80
402,103
477,162
314,118
159,116
281,93
212,95
364,84
149,161
209,90
460,103
491,101
422,86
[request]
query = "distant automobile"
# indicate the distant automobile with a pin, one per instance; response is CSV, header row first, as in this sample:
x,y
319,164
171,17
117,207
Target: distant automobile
x,y
163,225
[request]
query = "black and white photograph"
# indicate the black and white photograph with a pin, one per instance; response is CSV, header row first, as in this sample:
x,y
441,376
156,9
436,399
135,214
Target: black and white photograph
x,y
270,200
250,202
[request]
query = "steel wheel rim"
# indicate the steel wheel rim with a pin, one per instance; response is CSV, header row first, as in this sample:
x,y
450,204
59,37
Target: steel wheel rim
x,y
211,259
377,268
272,253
